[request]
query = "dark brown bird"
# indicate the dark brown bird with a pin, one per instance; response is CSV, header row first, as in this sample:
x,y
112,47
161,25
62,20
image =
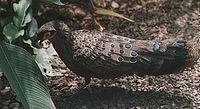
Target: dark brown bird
x,y
103,55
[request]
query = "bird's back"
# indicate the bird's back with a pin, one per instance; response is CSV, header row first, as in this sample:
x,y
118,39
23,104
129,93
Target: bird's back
x,y
108,56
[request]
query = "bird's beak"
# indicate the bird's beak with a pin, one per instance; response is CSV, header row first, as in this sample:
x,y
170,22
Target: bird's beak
x,y
41,35
47,35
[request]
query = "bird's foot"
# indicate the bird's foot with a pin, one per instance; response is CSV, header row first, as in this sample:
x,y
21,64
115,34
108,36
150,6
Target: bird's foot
x,y
77,90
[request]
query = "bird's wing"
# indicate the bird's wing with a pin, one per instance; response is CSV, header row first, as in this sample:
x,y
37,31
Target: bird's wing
x,y
104,52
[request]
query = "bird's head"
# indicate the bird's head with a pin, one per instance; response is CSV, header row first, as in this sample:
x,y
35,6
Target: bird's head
x,y
50,30
46,32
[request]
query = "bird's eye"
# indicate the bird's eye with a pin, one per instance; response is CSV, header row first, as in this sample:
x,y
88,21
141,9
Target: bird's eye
x,y
47,34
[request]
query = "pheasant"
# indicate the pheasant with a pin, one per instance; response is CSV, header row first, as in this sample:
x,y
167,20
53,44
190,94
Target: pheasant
x,y
103,55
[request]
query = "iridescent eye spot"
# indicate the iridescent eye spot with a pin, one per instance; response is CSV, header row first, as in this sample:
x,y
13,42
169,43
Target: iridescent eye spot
x,y
128,45
134,54
121,51
109,54
112,45
126,39
121,45
74,47
120,59
118,37
156,47
133,60
82,46
103,37
97,44
103,57
103,47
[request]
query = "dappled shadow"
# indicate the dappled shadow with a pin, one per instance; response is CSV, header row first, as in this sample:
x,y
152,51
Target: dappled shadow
x,y
114,97
158,18
153,19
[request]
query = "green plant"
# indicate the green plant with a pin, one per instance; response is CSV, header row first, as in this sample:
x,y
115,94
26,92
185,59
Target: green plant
x,y
17,63
18,26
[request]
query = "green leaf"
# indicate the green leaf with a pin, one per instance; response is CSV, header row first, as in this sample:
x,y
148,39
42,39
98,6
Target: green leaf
x,y
57,2
2,10
32,28
45,60
20,10
24,77
11,32
110,13
28,18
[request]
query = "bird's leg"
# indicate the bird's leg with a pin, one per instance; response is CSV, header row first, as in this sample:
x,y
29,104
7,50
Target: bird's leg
x,y
87,81
86,86
78,89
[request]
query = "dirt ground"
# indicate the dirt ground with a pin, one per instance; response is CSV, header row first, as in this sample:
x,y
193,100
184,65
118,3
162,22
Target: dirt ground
x,y
153,19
